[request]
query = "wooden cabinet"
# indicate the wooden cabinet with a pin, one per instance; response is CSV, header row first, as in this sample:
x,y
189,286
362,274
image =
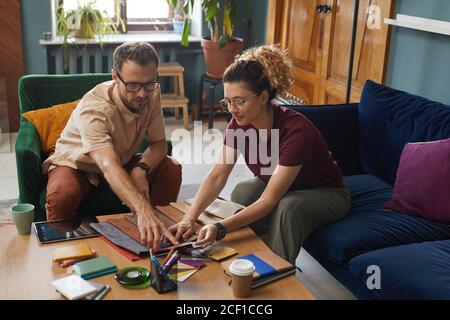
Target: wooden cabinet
x,y
319,45
11,56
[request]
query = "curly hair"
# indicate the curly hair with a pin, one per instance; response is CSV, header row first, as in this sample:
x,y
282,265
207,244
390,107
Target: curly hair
x,y
261,68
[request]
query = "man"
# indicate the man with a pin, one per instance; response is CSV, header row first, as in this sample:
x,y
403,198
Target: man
x,y
100,140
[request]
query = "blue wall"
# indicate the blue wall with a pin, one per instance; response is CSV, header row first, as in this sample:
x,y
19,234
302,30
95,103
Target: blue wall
x,y
419,62
36,19
258,27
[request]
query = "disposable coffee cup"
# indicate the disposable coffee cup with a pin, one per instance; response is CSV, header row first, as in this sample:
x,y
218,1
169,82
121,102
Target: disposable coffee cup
x,y
241,271
23,215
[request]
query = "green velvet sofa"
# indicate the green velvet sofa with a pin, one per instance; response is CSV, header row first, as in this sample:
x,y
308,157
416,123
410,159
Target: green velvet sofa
x,y
42,91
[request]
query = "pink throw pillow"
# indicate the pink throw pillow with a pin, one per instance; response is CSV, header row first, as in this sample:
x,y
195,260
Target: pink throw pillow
x,y
422,186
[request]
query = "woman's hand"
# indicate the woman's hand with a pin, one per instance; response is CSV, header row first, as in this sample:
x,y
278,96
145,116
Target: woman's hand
x,y
183,229
207,235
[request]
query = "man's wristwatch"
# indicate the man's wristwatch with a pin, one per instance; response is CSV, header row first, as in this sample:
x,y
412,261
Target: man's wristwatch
x,y
221,231
143,166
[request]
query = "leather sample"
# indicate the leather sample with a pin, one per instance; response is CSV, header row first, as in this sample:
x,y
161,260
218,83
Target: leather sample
x,y
127,227
119,238
203,219
175,215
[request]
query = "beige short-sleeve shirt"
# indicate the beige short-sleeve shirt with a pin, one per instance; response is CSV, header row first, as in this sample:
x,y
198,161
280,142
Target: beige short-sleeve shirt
x,y
101,120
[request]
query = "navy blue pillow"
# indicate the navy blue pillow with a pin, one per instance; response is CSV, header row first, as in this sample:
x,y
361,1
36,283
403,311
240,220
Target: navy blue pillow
x,y
390,118
338,125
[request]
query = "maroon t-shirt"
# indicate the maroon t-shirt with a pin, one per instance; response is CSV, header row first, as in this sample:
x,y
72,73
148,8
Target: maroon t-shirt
x,y
299,143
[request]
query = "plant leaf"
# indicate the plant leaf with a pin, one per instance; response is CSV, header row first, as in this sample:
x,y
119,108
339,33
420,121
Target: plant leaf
x,y
172,3
188,5
210,9
186,31
227,26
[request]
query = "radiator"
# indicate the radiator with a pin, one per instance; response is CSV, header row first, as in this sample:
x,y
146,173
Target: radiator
x,y
92,59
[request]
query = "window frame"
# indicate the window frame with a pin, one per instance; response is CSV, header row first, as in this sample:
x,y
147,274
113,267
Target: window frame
x,y
146,24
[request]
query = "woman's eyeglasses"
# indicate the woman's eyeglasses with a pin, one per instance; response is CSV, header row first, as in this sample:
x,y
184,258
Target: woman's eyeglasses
x,y
135,87
226,103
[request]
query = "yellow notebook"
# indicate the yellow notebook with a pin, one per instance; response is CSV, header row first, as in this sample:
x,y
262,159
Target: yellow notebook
x,y
81,250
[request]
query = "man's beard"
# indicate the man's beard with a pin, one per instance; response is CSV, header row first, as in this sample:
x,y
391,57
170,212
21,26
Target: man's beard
x,y
137,104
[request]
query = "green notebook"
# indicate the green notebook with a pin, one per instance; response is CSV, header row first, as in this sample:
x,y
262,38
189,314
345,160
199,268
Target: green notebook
x,y
92,268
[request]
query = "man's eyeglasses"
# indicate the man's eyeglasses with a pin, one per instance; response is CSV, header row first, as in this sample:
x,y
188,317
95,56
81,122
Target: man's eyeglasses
x,y
226,103
135,87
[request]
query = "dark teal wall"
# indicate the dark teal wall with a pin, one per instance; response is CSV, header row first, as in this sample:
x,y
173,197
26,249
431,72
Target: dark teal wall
x,y
419,62
258,27
252,21
36,19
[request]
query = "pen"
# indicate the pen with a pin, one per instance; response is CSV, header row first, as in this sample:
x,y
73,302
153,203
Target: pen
x,y
169,264
169,255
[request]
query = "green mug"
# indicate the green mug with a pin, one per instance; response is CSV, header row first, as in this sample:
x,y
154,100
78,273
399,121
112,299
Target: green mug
x,y
23,215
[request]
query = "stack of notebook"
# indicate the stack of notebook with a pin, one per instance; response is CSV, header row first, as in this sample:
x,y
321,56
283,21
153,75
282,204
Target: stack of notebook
x,y
68,255
269,267
93,268
74,287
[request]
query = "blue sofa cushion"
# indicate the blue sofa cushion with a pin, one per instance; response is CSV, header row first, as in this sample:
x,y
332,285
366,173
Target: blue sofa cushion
x,y
413,271
369,227
390,118
368,192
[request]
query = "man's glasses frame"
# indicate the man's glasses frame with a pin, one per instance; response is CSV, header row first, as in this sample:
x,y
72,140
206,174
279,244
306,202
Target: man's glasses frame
x,y
226,103
135,86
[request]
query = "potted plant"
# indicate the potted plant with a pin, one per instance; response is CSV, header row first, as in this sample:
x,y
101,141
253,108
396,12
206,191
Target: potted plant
x,y
220,47
85,22
179,16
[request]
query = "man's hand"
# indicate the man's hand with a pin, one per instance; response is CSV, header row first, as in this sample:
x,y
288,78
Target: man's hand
x,y
151,229
207,235
183,229
133,190
139,178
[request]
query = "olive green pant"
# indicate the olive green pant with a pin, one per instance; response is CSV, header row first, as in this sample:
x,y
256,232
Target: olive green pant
x,y
296,215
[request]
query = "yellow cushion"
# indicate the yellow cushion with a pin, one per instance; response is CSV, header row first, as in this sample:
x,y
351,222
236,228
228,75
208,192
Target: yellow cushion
x,y
50,122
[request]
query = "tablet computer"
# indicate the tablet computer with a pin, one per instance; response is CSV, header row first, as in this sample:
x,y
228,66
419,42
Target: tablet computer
x,y
62,230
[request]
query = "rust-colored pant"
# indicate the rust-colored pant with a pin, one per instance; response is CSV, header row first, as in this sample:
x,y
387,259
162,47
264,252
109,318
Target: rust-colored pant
x,y
67,187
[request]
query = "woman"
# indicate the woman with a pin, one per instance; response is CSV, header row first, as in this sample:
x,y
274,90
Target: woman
x,y
305,189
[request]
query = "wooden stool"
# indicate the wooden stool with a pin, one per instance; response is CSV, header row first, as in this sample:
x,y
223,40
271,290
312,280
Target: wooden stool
x,y
175,99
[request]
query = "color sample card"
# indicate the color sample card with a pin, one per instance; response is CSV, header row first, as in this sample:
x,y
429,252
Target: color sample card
x,y
182,271
220,253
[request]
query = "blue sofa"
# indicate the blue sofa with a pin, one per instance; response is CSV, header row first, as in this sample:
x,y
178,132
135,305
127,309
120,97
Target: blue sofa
x,y
412,253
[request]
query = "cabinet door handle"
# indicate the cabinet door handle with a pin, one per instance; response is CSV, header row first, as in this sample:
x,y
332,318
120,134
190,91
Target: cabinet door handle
x,y
323,8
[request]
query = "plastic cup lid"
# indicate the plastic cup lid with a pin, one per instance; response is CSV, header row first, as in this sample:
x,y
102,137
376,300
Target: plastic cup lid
x,y
242,267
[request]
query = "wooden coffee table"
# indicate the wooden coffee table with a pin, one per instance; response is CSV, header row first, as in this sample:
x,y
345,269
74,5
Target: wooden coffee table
x,y
26,271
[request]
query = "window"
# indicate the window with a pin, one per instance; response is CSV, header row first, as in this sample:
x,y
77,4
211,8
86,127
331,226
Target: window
x,y
145,15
